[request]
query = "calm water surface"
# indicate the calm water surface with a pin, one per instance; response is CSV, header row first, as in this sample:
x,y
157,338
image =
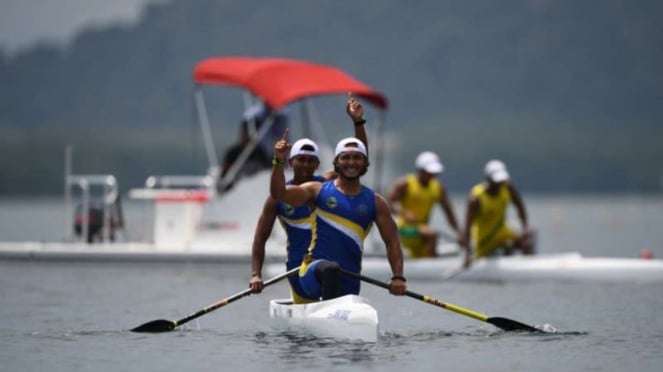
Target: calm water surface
x,y
75,316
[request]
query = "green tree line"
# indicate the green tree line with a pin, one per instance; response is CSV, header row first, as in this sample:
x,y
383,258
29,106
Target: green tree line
x,y
567,93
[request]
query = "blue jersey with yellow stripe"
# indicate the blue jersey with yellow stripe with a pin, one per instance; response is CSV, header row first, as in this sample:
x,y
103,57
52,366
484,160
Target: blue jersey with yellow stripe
x,y
339,228
296,221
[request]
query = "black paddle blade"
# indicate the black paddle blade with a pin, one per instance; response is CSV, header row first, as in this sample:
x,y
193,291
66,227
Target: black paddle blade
x,y
511,325
156,326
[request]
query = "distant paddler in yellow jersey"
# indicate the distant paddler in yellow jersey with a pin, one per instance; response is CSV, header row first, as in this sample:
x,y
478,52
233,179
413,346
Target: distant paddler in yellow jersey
x,y
486,216
412,199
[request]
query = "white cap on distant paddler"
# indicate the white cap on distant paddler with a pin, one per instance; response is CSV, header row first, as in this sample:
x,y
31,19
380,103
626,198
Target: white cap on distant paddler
x,y
429,162
496,171
304,146
350,144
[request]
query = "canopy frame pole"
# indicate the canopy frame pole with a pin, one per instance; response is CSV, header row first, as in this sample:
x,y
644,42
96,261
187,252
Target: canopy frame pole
x,y
381,149
232,172
203,119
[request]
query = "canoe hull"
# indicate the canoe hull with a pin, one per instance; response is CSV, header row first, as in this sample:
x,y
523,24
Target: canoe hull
x,y
346,318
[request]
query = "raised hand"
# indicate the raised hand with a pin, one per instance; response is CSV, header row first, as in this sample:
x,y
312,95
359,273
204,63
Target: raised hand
x,y
354,109
282,147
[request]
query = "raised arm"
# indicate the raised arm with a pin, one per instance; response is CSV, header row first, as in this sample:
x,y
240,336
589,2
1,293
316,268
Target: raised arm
x,y
277,180
293,194
356,113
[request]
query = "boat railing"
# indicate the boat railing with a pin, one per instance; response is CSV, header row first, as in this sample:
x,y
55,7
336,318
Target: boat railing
x,y
180,181
84,183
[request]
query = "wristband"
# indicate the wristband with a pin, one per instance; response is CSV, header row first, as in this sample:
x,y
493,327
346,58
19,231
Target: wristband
x,y
398,277
276,162
360,122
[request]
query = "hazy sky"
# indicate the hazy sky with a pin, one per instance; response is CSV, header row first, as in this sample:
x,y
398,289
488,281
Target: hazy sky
x,y
25,22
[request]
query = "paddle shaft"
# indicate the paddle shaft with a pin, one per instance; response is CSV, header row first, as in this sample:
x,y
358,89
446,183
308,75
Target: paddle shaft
x,y
420,297
233,298
503,323
162,325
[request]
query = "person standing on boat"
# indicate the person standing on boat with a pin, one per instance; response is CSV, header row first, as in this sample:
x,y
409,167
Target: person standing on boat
x,y
485,220
412,199
259,158
256,161
304,159
260,114
345,212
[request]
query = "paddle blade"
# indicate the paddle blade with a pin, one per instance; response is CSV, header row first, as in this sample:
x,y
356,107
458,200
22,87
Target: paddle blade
x,y
511,325
156,326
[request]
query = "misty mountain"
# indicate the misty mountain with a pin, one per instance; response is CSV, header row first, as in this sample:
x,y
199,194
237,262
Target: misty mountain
x,y
567,93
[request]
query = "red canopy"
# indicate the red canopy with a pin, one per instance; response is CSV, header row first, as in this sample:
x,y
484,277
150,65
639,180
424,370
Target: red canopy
x,y
281,81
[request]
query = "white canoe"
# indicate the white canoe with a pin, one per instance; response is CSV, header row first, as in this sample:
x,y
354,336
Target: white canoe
x,y
348,317
557,267
568,267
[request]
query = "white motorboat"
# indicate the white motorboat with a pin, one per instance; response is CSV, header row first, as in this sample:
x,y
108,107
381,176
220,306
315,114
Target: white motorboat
x,y
348,317
569,267
200,217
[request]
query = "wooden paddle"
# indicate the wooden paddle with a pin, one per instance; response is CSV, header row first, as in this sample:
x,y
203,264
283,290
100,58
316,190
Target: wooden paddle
x,y
502,323
163,325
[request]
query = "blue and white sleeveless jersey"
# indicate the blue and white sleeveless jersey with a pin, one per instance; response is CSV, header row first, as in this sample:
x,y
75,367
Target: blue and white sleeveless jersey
x,y
339,229
296,221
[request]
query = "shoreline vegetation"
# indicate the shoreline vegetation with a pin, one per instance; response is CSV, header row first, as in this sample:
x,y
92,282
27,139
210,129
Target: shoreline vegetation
x,y
566,94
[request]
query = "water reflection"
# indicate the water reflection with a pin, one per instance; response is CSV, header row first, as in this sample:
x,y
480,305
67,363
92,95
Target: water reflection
x,y
298,347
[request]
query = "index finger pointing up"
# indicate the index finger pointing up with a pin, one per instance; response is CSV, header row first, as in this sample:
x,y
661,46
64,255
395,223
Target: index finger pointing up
x,y
285,134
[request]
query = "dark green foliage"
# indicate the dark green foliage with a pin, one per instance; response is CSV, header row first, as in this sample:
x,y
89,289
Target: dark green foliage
x,y
568,93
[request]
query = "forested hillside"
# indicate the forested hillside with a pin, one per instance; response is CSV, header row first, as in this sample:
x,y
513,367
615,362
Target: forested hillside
x,y
568,93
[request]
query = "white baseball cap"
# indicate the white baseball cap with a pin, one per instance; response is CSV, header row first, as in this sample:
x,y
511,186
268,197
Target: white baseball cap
x,y
496,171
304,146
350,144
429,162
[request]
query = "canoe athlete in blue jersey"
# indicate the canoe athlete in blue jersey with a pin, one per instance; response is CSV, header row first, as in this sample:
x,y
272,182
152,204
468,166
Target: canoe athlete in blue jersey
x,y
345,213
296,220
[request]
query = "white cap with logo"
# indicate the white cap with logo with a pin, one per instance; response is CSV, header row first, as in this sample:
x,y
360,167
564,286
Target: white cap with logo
x,y
496,171
429,162
350,144
304,146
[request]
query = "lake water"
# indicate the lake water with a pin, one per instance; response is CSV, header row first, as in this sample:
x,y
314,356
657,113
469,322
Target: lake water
x,y
75,316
